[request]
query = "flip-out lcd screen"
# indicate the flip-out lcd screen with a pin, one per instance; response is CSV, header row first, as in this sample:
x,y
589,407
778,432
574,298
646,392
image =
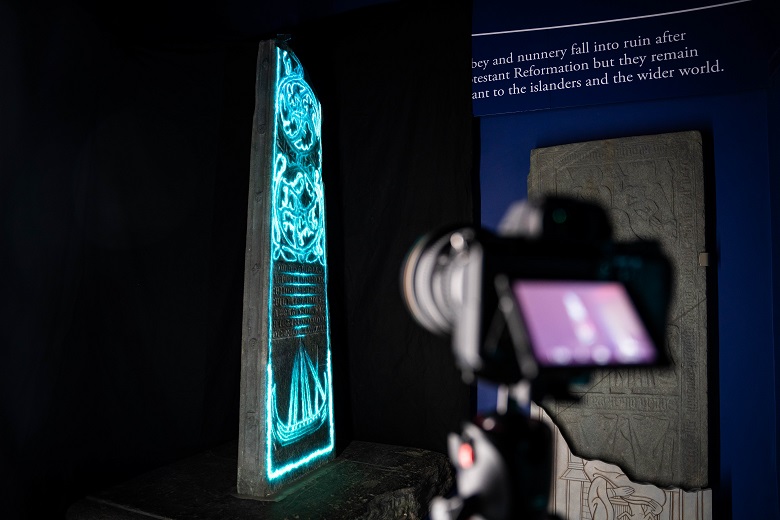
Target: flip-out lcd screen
x,y
582,323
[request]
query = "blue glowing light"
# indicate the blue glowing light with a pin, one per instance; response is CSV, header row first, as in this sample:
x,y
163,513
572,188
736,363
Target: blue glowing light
x,y
307,409
298,228
298,325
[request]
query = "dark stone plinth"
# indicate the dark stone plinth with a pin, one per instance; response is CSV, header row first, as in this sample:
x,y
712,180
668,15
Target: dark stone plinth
x,y
367,481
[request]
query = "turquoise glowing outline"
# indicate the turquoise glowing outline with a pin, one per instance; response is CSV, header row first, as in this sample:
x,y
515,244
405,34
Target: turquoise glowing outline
x,y
304,414
298,212
306,249
301,306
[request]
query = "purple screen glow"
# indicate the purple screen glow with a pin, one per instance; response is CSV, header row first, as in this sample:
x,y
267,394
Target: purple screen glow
x,y
582,323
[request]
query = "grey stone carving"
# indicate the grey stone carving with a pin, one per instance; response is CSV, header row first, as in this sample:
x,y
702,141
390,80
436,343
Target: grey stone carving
x,y
652,423
596,490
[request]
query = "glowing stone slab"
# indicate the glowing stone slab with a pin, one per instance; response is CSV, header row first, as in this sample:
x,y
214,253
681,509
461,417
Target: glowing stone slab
x,y
286,416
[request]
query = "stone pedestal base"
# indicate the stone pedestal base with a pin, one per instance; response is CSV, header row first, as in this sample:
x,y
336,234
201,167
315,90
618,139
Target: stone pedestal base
x,y
367,481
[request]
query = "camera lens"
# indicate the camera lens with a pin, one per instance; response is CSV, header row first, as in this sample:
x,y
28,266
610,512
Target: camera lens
x,y
432,278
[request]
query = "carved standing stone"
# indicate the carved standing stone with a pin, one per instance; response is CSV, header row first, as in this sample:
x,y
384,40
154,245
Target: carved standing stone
x,y
286,413
652,423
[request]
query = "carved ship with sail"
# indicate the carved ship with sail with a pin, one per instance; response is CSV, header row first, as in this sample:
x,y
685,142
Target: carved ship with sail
x,y
307,410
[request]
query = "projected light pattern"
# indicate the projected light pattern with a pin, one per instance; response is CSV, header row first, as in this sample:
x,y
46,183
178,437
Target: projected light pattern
x,y
300,303
299,405
298,228
307,410
298,108
298,225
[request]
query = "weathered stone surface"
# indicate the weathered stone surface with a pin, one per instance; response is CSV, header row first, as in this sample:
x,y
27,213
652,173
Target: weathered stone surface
x,y
586,489
367,482
652,423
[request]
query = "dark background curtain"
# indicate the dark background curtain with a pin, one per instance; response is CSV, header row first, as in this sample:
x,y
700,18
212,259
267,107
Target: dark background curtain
x,y
123,189
398,163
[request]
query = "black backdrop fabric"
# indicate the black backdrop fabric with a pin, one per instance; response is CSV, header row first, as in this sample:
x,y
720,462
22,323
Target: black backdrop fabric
x,y
123,192
398,163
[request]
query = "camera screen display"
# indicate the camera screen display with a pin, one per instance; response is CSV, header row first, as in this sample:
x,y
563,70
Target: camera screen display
x,y
582,323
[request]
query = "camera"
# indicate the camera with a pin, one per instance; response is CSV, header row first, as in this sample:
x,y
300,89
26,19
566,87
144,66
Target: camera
x,y
535,308
551,298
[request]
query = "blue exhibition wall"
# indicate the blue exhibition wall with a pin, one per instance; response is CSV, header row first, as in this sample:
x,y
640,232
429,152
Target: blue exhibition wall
x,y
738,121
774,184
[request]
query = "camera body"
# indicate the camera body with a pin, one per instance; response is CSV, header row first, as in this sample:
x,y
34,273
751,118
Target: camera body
x,y
505,299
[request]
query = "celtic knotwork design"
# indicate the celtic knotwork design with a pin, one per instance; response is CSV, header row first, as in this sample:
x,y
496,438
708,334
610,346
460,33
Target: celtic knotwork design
x,y
298,229
299,114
